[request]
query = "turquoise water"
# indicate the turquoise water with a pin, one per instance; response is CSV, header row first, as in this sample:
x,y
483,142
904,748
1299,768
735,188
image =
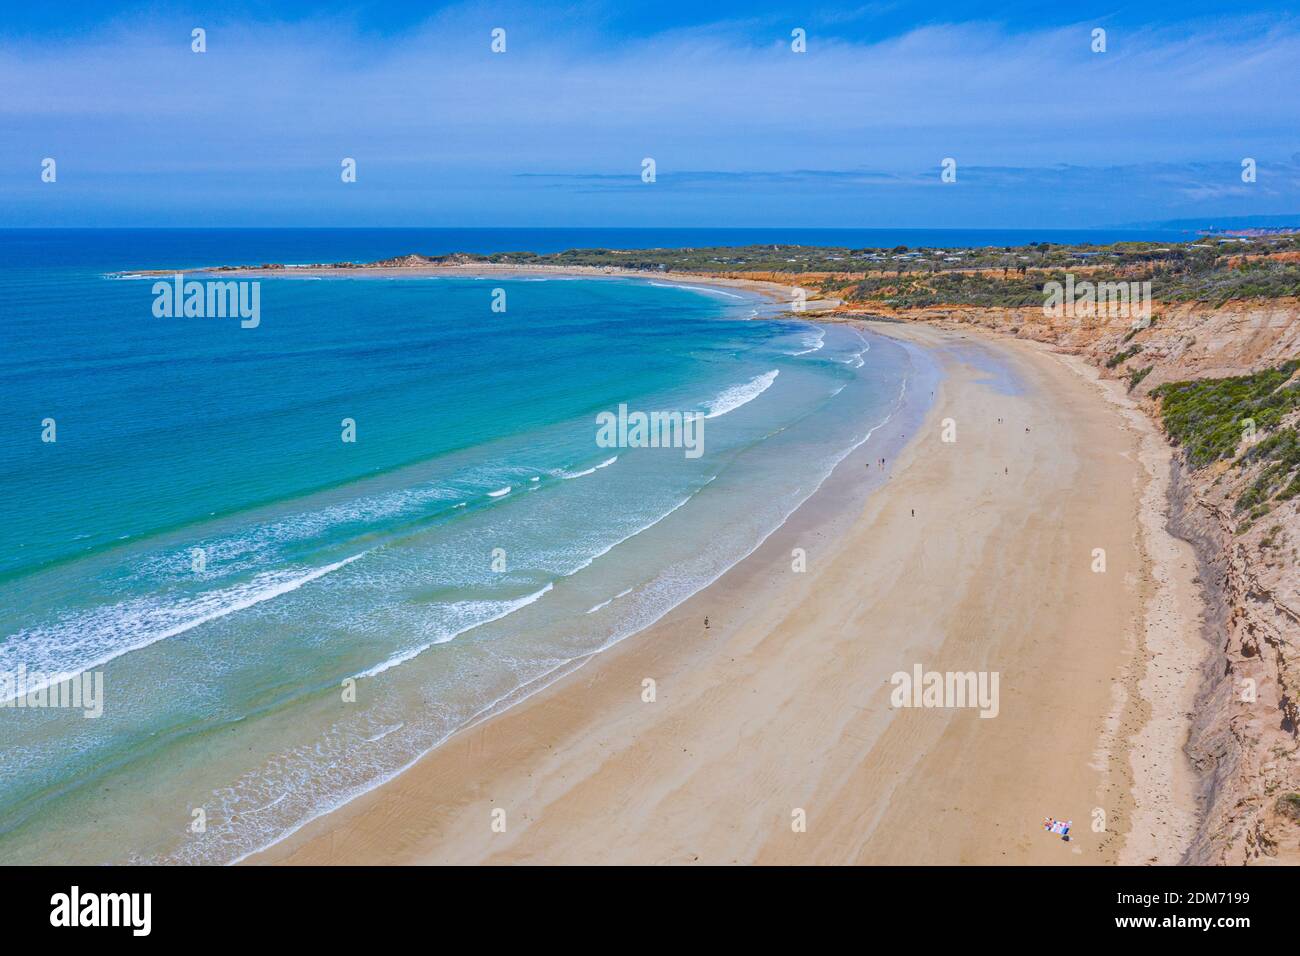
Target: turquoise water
x,y
201,535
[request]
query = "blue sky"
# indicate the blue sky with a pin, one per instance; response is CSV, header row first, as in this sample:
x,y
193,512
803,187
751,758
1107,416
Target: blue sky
x,y
743,131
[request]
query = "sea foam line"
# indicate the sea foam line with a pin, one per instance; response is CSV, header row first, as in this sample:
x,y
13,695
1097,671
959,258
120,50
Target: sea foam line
x,y
404,656
608,601
385,732
817,342
695,288
732,398
247,600
488,710
590,471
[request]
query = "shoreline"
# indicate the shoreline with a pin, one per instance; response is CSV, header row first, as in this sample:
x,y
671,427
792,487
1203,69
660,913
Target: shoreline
x,y
777,292
903,412
614,754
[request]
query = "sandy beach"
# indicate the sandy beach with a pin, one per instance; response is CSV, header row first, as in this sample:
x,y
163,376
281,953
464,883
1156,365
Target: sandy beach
x,y
779,292
974,555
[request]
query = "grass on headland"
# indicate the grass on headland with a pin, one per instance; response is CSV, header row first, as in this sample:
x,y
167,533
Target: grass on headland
x,y
1222,283
1207,270
1214,282
1210,417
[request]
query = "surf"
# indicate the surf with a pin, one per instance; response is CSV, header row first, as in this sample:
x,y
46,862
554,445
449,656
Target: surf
x,y
125,629
737,395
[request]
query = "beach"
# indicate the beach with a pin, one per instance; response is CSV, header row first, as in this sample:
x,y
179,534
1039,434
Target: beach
x,y
781,292
770,737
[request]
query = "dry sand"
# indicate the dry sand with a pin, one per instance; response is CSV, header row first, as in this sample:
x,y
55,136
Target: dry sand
x,y
783,703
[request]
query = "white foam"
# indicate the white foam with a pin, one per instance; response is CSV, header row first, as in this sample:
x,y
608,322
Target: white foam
x,y
385,732
855,360
499,492
816,340
610,600
566,475
508,607
645,527
732,398
695,288
111,632
277,800
259,546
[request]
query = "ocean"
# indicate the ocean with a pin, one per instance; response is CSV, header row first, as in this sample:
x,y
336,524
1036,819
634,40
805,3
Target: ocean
x,y
283,618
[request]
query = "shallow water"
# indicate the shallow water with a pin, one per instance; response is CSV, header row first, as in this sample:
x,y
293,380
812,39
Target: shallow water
x,y
201,534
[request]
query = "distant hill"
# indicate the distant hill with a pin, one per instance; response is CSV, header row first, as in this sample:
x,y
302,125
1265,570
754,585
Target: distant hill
x,y
1257,225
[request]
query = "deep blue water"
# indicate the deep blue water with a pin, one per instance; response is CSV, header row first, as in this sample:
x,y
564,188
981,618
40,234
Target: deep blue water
x,y
111,249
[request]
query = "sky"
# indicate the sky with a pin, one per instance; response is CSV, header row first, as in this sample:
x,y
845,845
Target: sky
x,y
1043,131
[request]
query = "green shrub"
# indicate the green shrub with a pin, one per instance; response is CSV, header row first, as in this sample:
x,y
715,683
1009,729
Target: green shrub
x,y
1281,453
1119,358
1288,804
1206,416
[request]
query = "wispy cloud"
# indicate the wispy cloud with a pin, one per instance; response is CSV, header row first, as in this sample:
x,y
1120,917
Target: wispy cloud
x,y
739,125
